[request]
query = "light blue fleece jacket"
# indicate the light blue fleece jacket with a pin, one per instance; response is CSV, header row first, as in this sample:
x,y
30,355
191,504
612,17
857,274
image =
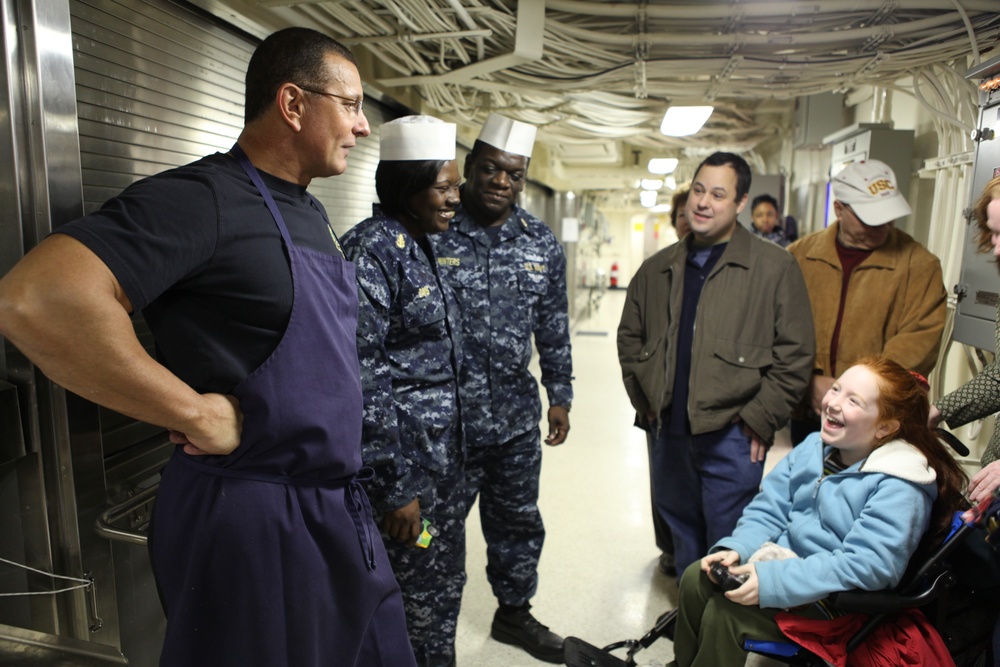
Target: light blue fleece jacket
x,y
853,530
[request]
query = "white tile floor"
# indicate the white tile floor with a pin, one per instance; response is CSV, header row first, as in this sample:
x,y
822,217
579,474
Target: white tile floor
x,y
598,578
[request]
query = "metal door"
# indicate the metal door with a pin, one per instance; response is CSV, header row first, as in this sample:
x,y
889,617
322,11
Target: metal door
x,y
979,286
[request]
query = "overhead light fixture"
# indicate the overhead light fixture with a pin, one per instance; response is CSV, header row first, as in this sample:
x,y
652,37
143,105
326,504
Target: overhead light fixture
x,y
651,184
671,182
684,121
660,208
662,165
647,198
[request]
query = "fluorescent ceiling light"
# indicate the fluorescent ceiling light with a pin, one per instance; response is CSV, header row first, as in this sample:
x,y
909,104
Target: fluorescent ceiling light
x,y
651,184
647,198
662,165
671,182
684,121
660,208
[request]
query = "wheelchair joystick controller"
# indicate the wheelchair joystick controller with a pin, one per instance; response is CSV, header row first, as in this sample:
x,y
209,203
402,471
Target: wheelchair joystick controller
x,y
724,579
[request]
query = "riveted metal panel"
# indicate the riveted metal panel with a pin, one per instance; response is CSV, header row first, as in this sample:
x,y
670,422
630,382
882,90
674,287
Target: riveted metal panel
x,y
159,85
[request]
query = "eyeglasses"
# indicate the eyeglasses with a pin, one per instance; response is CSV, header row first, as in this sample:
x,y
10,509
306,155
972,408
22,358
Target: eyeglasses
x,y
355,106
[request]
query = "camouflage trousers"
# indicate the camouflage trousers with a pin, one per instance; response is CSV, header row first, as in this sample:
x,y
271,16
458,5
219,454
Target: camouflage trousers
x,y
505,477
432,579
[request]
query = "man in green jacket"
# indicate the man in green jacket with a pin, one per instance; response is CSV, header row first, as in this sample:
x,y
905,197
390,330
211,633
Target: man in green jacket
x,y
874,289
716,345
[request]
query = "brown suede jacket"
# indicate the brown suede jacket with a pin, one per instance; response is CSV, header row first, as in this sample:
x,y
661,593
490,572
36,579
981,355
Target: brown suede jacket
x,y
895,301
753,344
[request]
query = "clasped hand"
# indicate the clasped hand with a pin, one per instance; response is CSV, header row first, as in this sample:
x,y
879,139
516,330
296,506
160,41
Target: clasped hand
x,y
749,593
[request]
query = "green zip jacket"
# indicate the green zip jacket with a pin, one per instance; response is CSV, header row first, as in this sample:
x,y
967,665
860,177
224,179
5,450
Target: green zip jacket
x,y
753,344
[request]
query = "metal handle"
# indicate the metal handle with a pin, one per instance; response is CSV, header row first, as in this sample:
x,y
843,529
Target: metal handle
x,y
105,524
96,622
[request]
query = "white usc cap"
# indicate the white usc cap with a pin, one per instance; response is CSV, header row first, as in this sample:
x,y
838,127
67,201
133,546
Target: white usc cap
x,y
509,135
870,188
417,138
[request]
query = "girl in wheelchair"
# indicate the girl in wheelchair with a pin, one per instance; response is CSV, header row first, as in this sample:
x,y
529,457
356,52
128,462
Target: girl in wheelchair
x,y
846,509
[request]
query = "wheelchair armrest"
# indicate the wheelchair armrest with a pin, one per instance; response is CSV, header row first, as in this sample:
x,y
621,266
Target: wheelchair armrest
x,y
881,602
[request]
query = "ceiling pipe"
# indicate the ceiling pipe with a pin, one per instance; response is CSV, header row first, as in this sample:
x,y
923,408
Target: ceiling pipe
x,y
771,40
969,31
711,11
466,19
415,37
528,41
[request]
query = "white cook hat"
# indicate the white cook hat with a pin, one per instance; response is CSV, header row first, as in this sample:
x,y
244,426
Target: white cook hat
x,y
417,138
509,135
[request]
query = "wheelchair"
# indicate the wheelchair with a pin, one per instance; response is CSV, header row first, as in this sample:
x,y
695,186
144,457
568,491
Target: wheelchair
x,y
928,587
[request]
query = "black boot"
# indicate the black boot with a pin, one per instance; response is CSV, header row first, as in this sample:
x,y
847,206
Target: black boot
x,y
516,626
667,564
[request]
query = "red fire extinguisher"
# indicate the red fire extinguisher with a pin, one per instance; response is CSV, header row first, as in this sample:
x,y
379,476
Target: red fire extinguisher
x,y
614,275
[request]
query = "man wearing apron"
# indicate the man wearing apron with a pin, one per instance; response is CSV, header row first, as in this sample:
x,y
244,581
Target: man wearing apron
x,y
262,539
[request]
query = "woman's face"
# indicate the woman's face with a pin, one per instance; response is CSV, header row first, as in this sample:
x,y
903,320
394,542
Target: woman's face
x,y
993,223
434,206
850,415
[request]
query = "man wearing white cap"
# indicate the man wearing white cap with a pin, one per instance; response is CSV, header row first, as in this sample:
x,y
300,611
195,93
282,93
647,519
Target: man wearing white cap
x,y
509,274
874,290
409,354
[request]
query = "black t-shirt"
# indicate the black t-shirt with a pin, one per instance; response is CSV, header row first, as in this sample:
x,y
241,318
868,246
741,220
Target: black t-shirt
x,y
197,251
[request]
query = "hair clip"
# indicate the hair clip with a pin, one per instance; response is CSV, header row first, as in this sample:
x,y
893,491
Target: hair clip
x,y
921,380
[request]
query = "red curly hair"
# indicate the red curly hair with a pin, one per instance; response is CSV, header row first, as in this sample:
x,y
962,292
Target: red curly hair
x,y
903,399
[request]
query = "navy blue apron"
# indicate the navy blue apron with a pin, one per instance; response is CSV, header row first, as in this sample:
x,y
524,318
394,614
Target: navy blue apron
x,y
269,556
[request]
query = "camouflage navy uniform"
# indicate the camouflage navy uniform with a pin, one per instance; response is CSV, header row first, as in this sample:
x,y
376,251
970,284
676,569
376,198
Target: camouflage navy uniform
x,y
409,352
508,289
